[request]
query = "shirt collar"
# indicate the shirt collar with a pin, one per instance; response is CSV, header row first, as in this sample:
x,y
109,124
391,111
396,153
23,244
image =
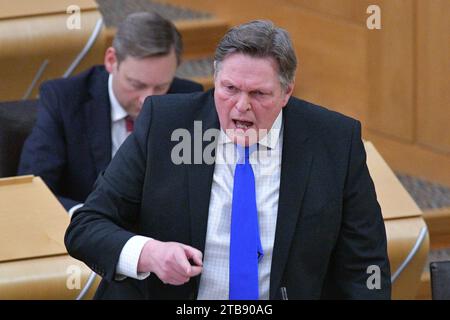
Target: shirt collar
x,y
117,111
270,140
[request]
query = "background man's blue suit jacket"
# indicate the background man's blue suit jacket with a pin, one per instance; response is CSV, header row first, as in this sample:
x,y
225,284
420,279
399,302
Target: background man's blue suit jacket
x,y
71,141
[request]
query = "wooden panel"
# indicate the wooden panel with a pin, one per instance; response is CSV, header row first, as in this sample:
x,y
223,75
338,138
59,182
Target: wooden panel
x,y
332,62
412,159
433,78
349,10
391,75
200,37
24,8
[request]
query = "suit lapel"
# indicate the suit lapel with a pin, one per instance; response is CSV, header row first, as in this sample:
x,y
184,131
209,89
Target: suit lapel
x,y
199,185
295,168
98,121
200,181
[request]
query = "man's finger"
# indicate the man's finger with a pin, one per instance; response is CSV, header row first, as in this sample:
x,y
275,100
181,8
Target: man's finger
x,y
194,254
195,271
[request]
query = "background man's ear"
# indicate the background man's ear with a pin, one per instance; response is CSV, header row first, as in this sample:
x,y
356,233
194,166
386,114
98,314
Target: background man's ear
x,y
110,59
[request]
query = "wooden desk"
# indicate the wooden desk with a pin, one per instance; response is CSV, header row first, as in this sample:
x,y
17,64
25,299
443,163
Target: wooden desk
x,y
34,263
27,8
404,227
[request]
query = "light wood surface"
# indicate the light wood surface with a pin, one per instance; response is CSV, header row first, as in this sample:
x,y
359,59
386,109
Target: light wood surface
x,y
48,278
391,71
395,201
433,76
26,8
200,37
347,10
402,234
16,180
403,222
34,263
32,221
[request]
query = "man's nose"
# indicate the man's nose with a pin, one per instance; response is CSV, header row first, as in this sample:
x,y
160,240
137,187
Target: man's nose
x,y
243,103
145,94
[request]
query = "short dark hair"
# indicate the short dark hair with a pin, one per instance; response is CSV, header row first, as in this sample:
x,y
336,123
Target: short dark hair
x,y
146,34
260,38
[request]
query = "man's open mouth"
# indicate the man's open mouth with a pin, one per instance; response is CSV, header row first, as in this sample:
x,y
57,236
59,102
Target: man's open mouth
x,y
242,124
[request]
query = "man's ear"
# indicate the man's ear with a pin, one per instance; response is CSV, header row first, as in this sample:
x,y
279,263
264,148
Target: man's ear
x,y
110,59
288,93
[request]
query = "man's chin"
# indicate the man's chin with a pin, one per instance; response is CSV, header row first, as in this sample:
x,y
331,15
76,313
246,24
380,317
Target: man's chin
x,y
132,113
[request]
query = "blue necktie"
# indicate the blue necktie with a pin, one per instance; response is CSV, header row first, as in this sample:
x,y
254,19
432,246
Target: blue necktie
x,y
245,243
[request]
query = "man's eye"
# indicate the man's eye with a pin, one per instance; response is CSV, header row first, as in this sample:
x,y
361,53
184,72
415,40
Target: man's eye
x,y
137,86
230,88
162,88
258,93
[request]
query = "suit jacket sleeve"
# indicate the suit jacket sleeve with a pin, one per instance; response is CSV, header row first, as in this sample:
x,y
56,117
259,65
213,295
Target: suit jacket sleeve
x,y
362,239
99,230
44,151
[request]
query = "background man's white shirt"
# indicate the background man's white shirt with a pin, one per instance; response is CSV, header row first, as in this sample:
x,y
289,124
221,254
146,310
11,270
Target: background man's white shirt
x,y
118,126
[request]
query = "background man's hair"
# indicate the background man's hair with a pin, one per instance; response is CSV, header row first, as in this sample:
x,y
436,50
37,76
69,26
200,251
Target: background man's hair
x,y
260,38
146,34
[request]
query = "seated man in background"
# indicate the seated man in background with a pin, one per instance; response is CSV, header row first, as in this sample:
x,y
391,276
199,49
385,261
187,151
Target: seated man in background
x,y
84,119
295,217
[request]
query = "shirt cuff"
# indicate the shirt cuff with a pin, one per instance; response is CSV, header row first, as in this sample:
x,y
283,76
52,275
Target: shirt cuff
x,y
129,258
74,208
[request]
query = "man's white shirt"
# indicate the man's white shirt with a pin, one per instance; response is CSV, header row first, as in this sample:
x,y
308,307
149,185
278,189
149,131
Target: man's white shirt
x,y
118,126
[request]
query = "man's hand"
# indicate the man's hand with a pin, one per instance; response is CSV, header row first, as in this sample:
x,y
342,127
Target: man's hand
x,y
170,261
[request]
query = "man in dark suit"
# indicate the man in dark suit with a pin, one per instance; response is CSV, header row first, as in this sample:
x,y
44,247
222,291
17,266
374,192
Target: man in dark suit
x,y
242,192
84,119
